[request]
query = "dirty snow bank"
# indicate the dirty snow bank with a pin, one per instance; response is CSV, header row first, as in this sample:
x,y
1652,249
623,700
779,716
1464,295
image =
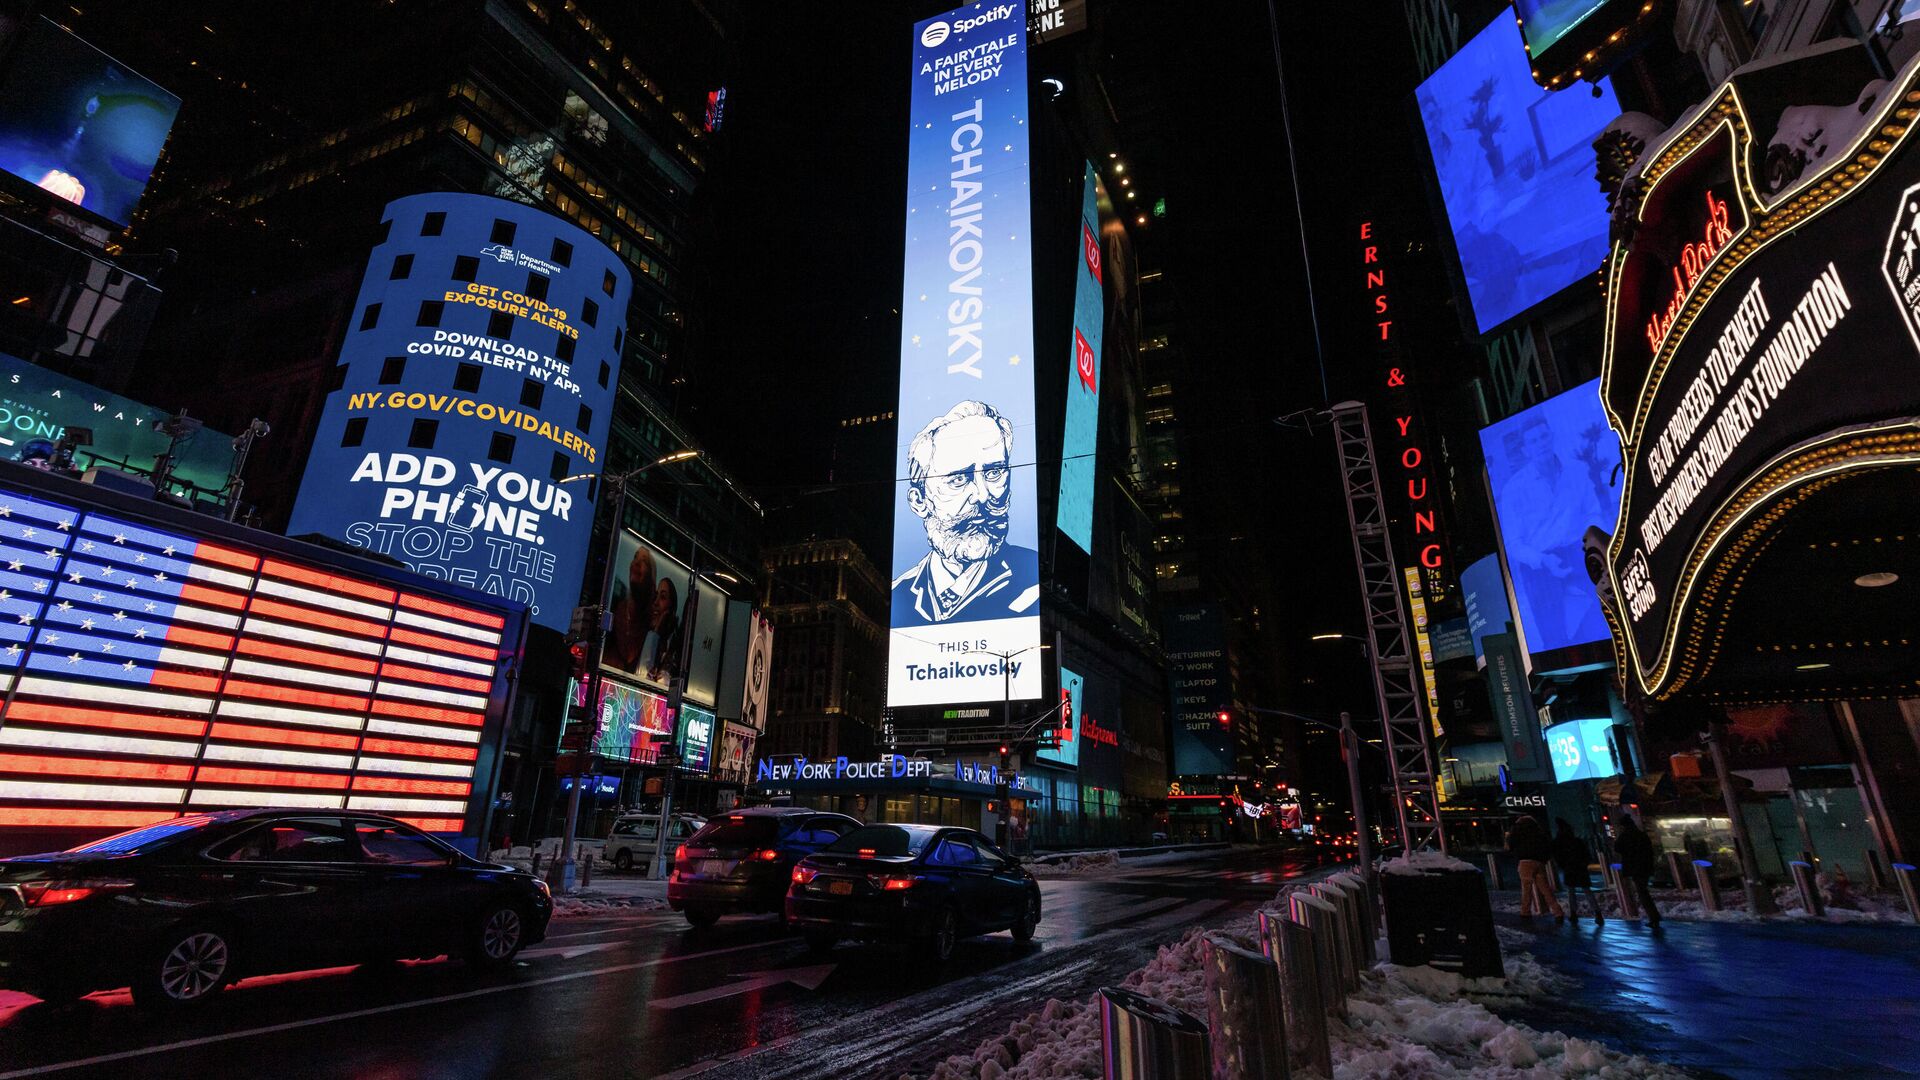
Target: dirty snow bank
x,y
568,907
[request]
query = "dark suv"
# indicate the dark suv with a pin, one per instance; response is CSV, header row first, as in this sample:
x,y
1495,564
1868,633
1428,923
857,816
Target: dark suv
x,y
742,860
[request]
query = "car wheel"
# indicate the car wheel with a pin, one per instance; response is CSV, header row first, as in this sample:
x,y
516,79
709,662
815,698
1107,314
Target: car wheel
x,y
187,968
946,931
623,859
496,937
1029,921
702,917
821,944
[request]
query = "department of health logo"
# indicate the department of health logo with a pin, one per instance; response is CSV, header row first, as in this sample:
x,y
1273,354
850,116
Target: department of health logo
x,y
934,34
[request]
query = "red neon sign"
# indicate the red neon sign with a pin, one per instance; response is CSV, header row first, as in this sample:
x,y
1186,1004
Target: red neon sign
x,y
1694,257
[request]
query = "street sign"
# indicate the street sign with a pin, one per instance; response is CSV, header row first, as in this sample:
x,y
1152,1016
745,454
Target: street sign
x,y
668,758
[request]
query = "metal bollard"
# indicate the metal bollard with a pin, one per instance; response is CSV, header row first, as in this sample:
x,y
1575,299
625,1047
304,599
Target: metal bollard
x,y
1246,1021
1803,879
1494,880
586,870
1320,917
536,865
1676,869
1909,879
1303,998
1623,890
1703,880
1145,1039
1876,873
1344,895
1337,932
1368,926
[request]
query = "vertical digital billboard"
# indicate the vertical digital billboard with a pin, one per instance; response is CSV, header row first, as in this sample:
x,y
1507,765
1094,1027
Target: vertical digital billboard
x,y
650,617
1196,643
151,668
1081,440
1073,690
479,374
1485,589
79,124
1555,471
1515,166
966,566
1582,750
634,724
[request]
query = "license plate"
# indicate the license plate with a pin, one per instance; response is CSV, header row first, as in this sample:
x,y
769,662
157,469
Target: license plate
x,y
840,888
714,868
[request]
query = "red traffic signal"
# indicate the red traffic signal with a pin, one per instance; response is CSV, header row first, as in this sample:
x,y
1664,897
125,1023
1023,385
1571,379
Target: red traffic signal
x,y
1225,718
577,661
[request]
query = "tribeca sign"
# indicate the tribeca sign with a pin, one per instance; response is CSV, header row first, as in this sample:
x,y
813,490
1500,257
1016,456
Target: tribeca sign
x,y
891,767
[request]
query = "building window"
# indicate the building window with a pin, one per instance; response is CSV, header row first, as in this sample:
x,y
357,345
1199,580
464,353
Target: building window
x,y
356,431
502,232
423,434
563,350
433,223
589,312
430,311
337,378
559,470
532,392
402,267
536,286
619,338
586,419
606,372
500,325
465,268
562,253
392,370
370,317
466,378
607,283
501,448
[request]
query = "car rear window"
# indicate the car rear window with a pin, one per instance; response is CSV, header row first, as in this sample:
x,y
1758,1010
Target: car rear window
x,y
146,837
738,831
880,840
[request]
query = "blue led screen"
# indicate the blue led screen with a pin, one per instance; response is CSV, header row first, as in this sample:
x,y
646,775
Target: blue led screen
x,y
1545,22
480,372
1081,434
77,123
1074,685
1516,171
1555,470
1485,591
1582,750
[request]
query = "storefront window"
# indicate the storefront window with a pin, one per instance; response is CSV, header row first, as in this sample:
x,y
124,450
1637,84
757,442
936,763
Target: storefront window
x,y
897,809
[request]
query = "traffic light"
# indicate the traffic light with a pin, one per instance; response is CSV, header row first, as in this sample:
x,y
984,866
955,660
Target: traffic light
x,y
577,662
1006,758
1225,718
1066,713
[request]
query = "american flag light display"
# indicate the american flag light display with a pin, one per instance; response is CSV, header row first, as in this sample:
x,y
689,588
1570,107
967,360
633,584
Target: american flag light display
x,y
149,673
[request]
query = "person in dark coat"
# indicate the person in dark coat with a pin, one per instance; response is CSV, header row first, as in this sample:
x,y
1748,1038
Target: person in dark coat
x,y
1530,845
1635,849
1573,857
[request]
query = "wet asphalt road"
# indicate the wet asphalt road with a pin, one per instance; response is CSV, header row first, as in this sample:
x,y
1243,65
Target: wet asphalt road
x,y
641,995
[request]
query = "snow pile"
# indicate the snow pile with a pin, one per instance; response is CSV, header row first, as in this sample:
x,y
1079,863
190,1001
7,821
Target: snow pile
x,y
1404,1022
569,907
1423,862
1091,864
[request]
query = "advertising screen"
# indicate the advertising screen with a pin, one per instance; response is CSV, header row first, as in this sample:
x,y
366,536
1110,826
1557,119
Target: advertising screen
x,y
651,621
1485,589
1196,643
1555,471
634,723
150,671
696,738
1546,22
1073,686
38,405
1582,750
1082,430
1516,170
480,374
76,122
966,564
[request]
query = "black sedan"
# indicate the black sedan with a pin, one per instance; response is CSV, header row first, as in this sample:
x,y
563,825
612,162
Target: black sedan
x,y
915,883
741,861
181,908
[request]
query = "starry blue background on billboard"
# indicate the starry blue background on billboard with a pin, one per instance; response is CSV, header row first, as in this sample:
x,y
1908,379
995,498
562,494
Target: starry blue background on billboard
x,y
1515,165
1555,470
456,420
966,335
1082,429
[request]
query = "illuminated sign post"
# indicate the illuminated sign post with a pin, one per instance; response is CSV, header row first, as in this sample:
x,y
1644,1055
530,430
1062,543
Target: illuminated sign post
x,y
966,589
480,374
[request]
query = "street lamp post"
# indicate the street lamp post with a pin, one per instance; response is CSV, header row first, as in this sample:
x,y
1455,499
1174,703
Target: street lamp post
x,y
561,875
1350,750
1005,790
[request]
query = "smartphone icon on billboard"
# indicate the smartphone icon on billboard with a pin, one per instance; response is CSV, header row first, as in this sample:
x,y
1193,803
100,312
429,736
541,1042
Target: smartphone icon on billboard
x,y
470,497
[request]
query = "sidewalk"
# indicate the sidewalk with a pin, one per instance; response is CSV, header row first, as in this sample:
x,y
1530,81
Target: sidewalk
x,y
1775,999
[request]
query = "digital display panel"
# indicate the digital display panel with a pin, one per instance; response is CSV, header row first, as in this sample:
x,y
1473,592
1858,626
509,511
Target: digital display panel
x,y
650,632
1555,471
1516,171
1196,644
150,672
1582,750
1485,589
1073,687
634,723
77,123
1081,441
966,566
1546,22
480,373
696,738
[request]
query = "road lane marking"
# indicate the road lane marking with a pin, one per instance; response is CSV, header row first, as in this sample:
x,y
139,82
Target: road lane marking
x,y
316,1021
809,977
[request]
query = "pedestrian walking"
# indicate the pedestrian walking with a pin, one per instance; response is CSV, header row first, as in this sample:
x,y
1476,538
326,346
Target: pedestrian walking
x,y
1635,849
1574,858
1531,846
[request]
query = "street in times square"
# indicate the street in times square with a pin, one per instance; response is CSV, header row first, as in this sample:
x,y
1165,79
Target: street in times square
x,y
1031,539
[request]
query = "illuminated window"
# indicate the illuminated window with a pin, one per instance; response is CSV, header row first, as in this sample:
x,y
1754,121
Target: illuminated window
x,y
392,370
501,448
607,283
1160,390
466,378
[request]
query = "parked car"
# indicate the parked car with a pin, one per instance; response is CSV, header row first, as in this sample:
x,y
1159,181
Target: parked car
x,y
631,840
912,883
181,908
741,861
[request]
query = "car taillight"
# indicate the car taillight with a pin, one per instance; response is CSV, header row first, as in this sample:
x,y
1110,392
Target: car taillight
x,y
679,853
54,893
896,884
804,874
766,855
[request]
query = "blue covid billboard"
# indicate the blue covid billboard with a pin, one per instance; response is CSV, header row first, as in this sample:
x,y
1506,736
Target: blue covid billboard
x,y
1582,750
1555,471
966,565
1515,165
1082,429
479,376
